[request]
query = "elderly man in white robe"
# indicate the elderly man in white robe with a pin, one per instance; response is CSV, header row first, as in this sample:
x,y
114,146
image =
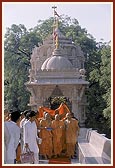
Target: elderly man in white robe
x,y
14,132
30,136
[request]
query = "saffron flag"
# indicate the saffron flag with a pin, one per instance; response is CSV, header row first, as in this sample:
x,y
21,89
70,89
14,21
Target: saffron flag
x,y
62,110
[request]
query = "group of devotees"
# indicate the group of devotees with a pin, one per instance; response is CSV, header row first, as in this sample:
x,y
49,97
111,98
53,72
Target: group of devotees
x,y
49,136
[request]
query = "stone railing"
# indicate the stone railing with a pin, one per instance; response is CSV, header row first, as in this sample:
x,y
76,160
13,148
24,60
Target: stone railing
x,y
93,148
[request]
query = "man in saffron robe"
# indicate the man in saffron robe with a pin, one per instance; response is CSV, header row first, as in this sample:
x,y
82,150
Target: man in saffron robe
x,y
57,126
72,129
46,135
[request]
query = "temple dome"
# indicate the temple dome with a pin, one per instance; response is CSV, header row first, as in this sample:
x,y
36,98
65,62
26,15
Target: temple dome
x,y
56,62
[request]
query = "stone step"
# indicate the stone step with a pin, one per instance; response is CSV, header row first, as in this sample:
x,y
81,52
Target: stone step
x,y
75,161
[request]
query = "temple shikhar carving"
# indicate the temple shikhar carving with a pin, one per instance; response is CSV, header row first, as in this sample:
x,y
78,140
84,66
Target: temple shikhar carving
x,y
57,70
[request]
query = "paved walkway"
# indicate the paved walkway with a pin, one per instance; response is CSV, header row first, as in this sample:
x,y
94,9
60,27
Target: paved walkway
x,y
73,161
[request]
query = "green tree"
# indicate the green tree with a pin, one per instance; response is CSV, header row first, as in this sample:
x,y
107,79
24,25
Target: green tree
x,y
99,94
18,47
105,80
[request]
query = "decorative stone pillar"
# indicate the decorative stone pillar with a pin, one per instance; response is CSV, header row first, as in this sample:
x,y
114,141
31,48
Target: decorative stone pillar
x,y
33,95
75,105
39,99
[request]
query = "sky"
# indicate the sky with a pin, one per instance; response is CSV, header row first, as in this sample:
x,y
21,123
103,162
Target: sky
x,y
96,18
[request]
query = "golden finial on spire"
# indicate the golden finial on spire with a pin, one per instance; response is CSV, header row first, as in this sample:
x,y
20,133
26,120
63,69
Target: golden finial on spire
x,y
57,42
55,28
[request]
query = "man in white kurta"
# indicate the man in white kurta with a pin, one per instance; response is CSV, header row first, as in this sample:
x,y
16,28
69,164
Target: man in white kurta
x,y
14,132
23,121
6,133
6,140
30,136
